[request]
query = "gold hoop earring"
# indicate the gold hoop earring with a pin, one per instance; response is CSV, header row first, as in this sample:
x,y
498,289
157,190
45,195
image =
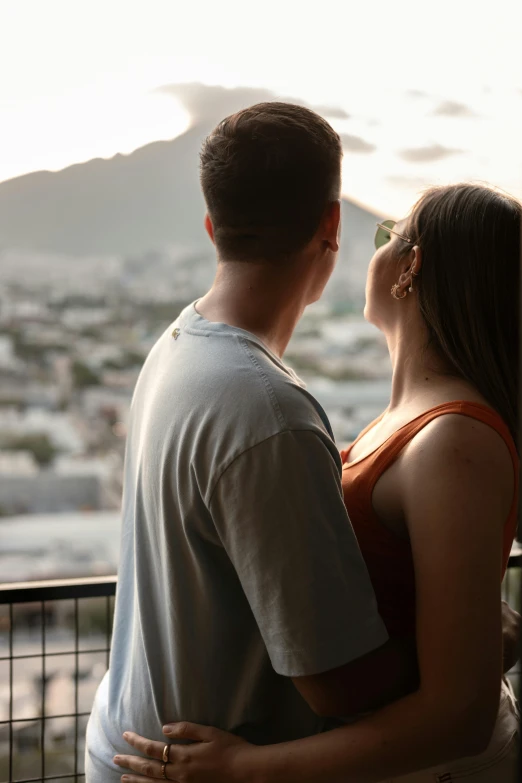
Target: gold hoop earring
x,y
394,292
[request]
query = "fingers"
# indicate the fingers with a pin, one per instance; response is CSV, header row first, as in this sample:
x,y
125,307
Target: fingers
x,y
190,731
146,746
151,768
146,767
138,779
135,779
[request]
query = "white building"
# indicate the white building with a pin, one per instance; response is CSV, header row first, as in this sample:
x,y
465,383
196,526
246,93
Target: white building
x,y
57,425
48,492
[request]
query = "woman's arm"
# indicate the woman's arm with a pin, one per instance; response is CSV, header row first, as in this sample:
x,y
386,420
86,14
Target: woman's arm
x,y
456,484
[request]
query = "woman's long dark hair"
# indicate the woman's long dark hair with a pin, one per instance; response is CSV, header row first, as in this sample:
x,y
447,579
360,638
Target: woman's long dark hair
x,y
469,287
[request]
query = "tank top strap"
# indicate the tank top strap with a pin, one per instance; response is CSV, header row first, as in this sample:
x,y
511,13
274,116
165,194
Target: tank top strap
x,y
391,448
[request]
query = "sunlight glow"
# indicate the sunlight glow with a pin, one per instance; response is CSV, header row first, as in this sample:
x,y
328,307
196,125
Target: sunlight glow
x,y
439,78
54,133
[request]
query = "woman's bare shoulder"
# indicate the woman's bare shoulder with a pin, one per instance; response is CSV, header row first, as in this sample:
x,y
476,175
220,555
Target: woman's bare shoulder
x,y
455,447
461,435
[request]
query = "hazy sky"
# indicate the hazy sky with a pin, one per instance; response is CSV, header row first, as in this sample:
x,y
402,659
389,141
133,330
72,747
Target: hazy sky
x,y
433,90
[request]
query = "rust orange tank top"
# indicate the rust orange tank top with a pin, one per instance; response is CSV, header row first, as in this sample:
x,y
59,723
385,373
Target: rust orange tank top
x,y
389,558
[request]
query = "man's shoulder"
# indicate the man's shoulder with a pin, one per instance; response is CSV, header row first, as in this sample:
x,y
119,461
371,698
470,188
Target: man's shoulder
x,y
226,389
235,369
271,385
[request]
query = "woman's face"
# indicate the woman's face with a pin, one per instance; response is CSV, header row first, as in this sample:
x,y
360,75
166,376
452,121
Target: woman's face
x,y
384,270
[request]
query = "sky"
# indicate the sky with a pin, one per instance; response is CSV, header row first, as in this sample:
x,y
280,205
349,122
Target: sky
x,y
432,90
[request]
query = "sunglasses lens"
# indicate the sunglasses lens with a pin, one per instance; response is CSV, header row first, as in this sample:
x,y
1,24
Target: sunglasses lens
x,y
382,236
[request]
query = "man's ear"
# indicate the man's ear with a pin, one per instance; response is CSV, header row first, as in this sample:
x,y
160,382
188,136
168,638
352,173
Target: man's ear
x,y
209,228
331,226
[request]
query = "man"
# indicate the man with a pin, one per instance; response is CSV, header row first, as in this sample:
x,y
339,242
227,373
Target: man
x,y
241,587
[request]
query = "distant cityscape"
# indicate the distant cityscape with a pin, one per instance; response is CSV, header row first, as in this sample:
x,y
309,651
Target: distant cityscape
x,y
96,260
74,333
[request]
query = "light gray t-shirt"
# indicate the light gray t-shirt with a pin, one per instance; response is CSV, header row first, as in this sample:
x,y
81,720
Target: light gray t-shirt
x,y
239,567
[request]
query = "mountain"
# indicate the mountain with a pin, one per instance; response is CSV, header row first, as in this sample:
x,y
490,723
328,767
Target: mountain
x,y
147,200
128,204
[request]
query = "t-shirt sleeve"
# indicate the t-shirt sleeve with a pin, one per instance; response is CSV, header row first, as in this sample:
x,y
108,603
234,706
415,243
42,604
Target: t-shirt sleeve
x,y
279,512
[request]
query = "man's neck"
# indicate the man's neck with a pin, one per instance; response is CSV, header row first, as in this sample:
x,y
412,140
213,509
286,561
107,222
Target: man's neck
x,y
251,297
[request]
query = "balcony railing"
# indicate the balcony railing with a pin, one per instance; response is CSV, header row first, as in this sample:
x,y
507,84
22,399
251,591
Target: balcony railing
x,y
54,649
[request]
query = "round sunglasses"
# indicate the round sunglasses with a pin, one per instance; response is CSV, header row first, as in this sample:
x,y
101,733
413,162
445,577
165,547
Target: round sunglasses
x,y
384,232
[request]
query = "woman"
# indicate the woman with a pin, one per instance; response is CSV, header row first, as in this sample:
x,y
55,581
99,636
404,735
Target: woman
x,y
431,488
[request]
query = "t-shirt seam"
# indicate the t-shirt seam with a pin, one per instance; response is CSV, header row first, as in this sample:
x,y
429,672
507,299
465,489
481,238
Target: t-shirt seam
x,y
200,332
268,386
243,342
254,446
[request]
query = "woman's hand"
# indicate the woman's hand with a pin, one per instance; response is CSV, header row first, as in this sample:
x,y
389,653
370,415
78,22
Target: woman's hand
x,y
214,756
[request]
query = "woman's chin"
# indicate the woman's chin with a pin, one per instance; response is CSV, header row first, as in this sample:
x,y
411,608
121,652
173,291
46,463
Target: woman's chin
x,y
371,315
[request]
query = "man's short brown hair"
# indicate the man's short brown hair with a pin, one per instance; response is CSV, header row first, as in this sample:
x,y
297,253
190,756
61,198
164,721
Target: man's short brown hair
x,y
268,173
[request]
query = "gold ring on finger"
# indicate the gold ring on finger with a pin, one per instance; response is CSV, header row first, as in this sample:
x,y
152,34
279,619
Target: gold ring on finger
x,y
165,756
163,774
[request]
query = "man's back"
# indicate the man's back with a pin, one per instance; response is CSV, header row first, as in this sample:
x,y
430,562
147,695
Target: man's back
x,y
231,569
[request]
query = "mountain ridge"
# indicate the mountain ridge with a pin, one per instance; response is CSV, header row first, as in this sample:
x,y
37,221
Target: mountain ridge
x,y
148,199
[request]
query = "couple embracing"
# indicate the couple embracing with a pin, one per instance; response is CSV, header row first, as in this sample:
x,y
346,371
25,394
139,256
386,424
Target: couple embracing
x,y
285,612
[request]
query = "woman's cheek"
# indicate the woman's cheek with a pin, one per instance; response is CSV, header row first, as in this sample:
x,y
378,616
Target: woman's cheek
x,y
371,291
378,286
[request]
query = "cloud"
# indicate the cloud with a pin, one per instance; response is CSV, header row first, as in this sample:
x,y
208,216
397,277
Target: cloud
x,y
397,180
356,144
427,154
211,103
416,94
335,112
454,109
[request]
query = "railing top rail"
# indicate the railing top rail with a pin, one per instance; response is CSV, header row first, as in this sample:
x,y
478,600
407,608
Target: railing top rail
x,y
56,589
95,586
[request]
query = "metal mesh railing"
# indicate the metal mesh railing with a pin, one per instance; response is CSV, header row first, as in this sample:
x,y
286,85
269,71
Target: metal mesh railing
x,y
54,649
